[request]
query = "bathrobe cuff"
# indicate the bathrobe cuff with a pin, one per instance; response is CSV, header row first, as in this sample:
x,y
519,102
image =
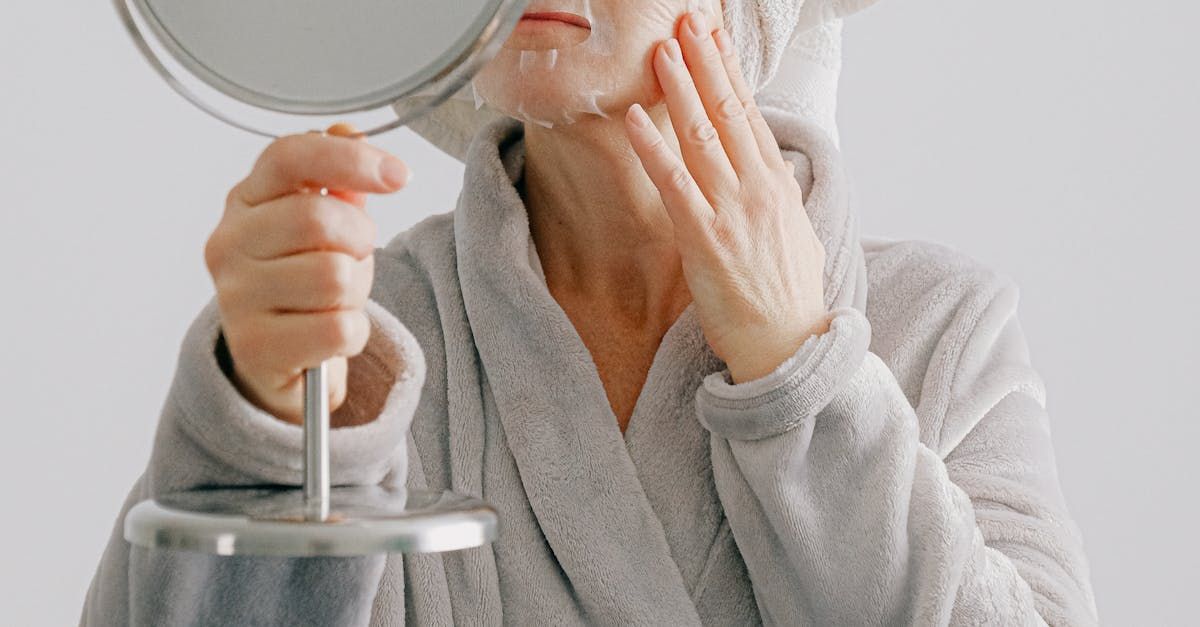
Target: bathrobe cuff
x,y
384,381
795,391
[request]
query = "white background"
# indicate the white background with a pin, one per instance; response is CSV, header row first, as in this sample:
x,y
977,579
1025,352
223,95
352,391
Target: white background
x,y
1054,141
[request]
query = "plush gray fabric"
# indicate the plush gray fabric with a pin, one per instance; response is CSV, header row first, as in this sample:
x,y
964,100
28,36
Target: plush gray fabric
x,y
897,469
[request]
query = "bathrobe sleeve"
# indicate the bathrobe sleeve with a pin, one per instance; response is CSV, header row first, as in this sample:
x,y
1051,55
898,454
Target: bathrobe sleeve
x,y
208,434
848,510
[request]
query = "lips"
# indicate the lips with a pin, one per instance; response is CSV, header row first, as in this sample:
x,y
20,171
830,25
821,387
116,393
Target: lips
x,y
549,30
561,17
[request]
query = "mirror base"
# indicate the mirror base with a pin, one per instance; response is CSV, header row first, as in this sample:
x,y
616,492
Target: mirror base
x,y
271,521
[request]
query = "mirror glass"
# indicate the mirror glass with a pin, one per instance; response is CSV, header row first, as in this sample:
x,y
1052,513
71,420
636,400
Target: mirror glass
x,y
317,57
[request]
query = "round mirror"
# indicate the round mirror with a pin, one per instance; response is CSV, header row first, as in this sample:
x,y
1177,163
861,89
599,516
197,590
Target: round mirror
x,y
280,67
275,67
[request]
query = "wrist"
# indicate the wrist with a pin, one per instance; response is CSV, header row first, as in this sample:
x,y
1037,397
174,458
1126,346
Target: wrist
x,y
769,351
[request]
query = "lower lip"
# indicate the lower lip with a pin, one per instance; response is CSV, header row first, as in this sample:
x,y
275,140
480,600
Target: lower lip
x,y
549,31
554,19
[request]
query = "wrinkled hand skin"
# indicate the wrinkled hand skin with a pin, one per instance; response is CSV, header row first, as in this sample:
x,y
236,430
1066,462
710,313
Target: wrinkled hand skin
x,y
753,263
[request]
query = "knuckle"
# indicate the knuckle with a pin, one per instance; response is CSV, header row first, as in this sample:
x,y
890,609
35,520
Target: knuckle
x,y
752,111
313,221
657,145
214,252
361,332
365,271
333,274
723,239
730,108
702,133
234,196
326,332
359,157
279,151
339,329
678,178
342,333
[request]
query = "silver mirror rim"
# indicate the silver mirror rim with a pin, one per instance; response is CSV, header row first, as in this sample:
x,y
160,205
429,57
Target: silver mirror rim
x,y
434,85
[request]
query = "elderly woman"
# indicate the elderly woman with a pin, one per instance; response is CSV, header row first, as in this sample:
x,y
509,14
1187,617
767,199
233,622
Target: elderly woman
x,y
650,335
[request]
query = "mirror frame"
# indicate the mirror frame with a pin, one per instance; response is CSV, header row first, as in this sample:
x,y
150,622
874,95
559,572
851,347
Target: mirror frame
x,y
438,81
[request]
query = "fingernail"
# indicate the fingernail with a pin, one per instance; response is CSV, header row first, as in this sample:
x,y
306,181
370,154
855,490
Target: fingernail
x,y
393,172
698,24
673,51
723,42
638,116
342,129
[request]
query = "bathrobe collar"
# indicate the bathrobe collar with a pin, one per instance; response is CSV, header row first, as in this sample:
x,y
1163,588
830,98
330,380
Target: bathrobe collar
x,y
572,459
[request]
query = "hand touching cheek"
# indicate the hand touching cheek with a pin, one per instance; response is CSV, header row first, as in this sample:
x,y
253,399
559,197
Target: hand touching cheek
x,y
752,261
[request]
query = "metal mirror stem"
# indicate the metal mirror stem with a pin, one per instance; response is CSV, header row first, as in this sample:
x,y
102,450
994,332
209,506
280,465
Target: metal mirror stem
x,y
316,432
316,443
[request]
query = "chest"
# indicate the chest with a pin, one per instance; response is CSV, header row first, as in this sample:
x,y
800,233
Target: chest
x,y
623,358
595,529
623,352
596,523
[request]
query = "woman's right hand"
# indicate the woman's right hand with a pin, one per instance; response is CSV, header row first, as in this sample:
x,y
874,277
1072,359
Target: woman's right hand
x,y
293,269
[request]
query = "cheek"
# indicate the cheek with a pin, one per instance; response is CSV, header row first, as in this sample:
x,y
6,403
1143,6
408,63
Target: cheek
x,y
560,87
602,76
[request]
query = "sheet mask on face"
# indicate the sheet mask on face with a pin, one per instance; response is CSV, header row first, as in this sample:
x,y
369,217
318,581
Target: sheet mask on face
x,y
790,51
549,76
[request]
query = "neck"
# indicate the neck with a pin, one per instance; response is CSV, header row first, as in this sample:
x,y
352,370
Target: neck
x,y
601,232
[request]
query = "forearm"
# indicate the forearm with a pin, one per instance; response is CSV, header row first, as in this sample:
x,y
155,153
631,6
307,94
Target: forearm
x,y
844,516
209,435
867,533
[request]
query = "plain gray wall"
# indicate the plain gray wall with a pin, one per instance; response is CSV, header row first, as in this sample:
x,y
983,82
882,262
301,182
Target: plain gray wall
x,y
1054,141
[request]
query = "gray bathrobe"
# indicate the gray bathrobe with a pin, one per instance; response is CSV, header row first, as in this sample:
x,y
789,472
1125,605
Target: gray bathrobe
x,y
897,469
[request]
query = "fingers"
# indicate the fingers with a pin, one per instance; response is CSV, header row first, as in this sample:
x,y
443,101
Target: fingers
x,y
311,282
312,160
342,129
305,222
767,144
287,314
722,104
699,141
282,394
274,349
686,205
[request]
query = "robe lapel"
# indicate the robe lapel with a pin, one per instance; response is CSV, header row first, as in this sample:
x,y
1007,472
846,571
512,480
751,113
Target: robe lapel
x,y
670,448
614,538
574,467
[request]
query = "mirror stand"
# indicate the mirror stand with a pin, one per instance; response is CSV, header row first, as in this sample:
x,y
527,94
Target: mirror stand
x,y
192,53
315,520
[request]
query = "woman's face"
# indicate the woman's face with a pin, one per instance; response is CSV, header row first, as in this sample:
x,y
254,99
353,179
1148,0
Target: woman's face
x,y
569,59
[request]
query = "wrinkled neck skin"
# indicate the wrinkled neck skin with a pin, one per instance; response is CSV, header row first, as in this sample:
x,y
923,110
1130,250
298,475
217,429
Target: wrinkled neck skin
x,y
602,234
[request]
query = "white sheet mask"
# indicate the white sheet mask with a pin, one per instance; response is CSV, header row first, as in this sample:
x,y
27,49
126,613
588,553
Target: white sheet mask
x,y
519,86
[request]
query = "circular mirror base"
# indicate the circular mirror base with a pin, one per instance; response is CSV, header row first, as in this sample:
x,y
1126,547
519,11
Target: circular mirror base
x,y
268,521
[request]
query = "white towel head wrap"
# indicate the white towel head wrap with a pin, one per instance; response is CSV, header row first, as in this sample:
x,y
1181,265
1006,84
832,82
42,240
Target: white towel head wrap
x,y
790,50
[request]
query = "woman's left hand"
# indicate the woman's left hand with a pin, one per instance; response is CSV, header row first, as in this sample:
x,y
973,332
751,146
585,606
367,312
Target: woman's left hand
x,y
751,259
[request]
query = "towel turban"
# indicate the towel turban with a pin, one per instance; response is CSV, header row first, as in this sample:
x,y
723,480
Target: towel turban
x,y
791,53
